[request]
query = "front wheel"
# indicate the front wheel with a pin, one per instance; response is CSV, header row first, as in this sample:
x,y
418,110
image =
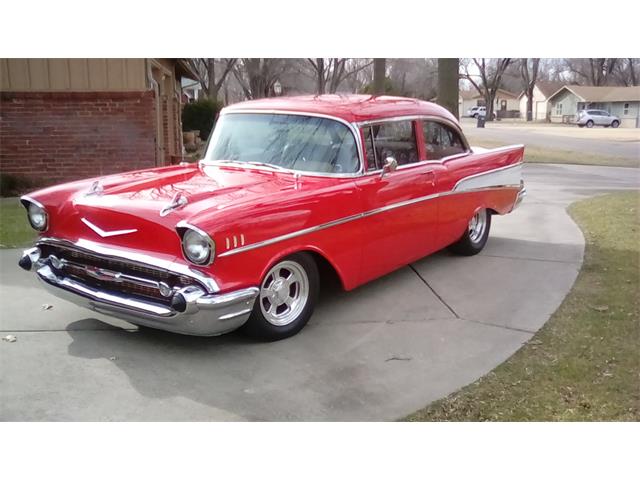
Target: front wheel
x,y
589,124
615,124
287,298
475,236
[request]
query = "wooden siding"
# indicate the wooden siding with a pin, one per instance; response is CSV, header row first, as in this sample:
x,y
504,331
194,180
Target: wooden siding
x,y
72,74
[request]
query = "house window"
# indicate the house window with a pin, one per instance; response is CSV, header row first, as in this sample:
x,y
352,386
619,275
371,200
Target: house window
x,y
558,109
625,110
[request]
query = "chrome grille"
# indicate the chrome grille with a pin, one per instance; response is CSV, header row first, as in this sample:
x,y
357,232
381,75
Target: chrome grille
x,y
116,275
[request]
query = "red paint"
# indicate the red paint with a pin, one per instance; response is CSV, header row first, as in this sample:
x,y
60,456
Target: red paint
x,y
228,201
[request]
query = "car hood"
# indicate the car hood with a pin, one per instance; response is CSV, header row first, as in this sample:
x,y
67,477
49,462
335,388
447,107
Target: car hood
x,y
127,211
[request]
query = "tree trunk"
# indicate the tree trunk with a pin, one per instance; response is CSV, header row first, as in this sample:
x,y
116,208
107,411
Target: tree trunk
x,y
320,73
212,90
529,104
379,74
448,90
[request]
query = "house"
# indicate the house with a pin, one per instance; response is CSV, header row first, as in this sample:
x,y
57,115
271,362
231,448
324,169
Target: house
x,y
624,102
64,119
506,104
540,107
191,90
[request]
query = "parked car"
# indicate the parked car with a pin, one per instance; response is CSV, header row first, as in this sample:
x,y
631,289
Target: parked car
x,y
289,188
473,112
589,118
476,112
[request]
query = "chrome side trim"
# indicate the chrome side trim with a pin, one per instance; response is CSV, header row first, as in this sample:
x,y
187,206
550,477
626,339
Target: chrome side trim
x,y
495,172
141,259
352,128
351,218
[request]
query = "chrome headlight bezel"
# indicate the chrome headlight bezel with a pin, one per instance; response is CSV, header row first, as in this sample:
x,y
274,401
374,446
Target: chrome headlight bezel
x,y
189,233
36,210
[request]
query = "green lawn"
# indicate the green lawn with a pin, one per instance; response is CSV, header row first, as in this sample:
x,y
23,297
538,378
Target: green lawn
x,y
15,230
584,364
542,155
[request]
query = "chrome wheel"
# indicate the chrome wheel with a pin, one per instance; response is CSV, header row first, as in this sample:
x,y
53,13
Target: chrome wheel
x,y
477,226
284,293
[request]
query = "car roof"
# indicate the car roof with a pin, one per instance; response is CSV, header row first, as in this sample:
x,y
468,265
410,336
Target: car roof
x,y
351,108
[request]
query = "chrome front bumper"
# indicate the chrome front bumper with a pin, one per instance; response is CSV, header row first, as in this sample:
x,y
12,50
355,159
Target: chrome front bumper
x,y
197,313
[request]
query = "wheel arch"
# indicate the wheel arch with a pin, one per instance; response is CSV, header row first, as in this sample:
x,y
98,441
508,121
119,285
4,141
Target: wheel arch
x,y
328,270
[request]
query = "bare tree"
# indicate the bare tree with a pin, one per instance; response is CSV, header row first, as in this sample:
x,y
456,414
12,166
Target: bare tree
x,y
257,76
627,71
448,89
592,71
379,75
205,69
331,72
487,81
529,68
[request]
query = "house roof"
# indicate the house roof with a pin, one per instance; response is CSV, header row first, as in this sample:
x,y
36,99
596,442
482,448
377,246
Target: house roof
x,y
468,94
547,88
602,94
351,108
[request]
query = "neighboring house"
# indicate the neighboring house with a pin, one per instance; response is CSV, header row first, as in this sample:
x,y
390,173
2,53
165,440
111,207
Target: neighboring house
x,y
468,99
540,107
504,102
65,119
623,102
191,90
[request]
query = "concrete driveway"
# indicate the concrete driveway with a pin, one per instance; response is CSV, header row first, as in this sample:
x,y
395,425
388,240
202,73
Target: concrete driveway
x,y
613,142
377,353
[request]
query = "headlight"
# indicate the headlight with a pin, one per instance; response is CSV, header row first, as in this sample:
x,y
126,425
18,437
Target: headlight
x,y
197,246
37,216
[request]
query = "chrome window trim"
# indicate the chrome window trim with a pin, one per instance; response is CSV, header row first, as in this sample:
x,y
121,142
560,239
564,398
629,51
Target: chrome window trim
x,y
355,131
140,259
433,118
184,225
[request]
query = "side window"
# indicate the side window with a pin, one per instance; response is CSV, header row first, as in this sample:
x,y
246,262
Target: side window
x,y
394,139
441,140
372,162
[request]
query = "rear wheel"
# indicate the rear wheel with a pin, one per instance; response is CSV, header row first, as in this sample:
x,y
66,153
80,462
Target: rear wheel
x,y
615,124
475,237
287,298
589,124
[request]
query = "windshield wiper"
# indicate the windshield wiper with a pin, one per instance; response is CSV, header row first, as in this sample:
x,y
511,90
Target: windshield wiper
x,y
255,164
270,165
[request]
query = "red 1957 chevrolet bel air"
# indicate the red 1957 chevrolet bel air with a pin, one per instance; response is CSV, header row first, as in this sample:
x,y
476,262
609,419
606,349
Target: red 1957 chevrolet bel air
x,y
361,185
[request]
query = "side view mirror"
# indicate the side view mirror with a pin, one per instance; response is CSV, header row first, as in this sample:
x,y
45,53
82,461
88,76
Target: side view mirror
x,y
390,165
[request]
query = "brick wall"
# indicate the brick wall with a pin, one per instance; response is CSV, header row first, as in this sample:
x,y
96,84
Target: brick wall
x,y
53,137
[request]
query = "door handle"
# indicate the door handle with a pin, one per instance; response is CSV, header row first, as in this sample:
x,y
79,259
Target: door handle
x,y
430,175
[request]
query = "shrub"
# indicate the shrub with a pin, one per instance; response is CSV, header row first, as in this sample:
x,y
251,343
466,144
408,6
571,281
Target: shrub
x,y
14,185
200,115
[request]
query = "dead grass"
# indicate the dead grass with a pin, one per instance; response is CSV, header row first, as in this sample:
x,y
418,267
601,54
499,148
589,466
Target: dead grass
x,y
584,363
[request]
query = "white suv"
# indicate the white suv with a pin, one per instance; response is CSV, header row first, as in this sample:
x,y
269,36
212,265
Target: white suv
x,y
589,118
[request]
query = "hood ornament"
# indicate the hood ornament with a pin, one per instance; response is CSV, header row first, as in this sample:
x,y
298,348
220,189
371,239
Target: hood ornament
x,y
178,200
96,188
104,233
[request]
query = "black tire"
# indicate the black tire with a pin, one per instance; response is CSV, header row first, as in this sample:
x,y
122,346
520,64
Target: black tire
x,y
589,124
258,326
467,245
615,124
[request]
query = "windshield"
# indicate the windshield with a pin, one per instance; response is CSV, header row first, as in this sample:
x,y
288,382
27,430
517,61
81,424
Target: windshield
x,y
297,142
